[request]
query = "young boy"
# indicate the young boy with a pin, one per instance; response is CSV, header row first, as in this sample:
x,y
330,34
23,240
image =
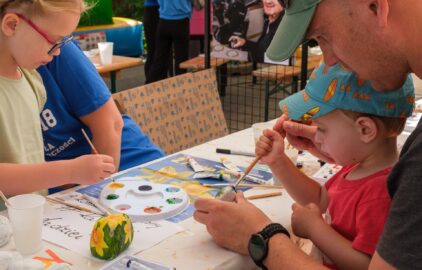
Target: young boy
x,y
357,127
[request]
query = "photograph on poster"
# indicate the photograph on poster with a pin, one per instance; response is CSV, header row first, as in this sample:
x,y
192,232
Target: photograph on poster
x,y
243,29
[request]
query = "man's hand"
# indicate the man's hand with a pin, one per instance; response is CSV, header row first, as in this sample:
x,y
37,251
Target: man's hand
x,y
230,224
301,136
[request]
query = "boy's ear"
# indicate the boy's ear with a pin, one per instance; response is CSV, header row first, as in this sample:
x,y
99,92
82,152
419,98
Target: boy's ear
x,y
9,24
367,128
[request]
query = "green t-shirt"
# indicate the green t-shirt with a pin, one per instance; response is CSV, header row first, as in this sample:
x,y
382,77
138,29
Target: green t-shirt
x,y
21,102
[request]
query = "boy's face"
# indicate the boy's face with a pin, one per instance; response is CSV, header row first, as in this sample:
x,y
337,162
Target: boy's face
x,y
28,47
338,136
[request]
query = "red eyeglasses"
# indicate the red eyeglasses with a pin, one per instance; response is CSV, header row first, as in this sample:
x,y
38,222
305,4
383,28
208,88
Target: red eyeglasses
x,y
56,45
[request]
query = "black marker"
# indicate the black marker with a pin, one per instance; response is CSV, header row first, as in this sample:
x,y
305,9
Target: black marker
x,y
234,152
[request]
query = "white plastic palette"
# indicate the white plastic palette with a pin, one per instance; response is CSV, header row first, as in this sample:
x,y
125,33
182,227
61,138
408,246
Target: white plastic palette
x,y
142,200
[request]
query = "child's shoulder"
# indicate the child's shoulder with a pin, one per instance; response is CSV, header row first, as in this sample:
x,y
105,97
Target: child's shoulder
x,y
375,188
35,81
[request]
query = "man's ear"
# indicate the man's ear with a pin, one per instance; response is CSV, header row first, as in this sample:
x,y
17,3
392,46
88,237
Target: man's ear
x,y
381,9
367,128
9,24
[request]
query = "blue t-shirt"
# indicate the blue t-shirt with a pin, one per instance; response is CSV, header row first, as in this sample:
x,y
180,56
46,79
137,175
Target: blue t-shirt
x,y
151,3
74,89
175,9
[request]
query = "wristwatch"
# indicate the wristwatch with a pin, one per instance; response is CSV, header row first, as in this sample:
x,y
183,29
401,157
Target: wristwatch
x,y
258,243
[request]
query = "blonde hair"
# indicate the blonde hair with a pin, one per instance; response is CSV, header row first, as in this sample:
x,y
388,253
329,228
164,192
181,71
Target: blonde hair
x,y
393,125
42,7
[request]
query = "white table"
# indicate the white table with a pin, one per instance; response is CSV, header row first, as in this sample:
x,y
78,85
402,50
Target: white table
x,y
194,248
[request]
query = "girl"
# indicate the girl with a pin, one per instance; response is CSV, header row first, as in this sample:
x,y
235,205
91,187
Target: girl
x,y
31,34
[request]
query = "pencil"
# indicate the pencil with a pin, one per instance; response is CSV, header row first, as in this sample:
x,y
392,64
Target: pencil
x,y
73,206
265,195
89,142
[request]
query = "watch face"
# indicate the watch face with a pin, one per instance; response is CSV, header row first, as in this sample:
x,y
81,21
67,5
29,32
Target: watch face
x,y
257,247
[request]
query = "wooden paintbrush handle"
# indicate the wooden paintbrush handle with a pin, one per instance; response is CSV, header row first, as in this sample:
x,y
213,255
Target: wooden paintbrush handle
x,y
265,195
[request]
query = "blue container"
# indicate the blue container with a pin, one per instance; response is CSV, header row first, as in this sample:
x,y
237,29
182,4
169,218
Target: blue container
x,y
125,33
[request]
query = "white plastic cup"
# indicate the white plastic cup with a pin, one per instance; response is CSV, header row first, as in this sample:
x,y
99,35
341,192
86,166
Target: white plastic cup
x,y
106,52
258,129
26,217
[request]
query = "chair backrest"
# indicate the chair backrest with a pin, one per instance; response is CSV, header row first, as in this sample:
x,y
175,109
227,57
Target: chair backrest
x,y
179,112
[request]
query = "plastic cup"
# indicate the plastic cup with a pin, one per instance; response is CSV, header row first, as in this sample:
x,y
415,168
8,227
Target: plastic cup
x,y
26,217
106,52
258,129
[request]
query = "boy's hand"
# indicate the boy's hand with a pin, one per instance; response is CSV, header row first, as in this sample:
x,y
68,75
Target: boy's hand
x,y
270,147
305,219
90,169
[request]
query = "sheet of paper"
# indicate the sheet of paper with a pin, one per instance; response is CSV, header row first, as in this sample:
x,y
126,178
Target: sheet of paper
x,y
70,228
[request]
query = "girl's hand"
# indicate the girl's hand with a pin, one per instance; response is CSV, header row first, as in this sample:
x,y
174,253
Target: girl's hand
x,y
90,169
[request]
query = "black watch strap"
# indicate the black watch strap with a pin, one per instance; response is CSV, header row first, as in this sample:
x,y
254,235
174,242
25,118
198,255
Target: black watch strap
x,y
269,231
272,229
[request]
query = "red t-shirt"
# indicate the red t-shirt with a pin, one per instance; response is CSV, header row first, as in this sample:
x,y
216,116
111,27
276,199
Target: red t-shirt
x,y
358,208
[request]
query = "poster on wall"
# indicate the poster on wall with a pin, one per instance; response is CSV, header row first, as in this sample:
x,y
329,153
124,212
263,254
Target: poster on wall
x,y
243,29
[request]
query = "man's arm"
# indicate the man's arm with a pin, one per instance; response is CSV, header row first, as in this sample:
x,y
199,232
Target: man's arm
x,y
285,255
232,224
106,126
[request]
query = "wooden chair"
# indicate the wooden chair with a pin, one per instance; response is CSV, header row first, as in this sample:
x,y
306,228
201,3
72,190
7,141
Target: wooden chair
x,y
283,76
179,112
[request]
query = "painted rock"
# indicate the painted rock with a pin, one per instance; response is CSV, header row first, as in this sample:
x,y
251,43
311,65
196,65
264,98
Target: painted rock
x,y
111,235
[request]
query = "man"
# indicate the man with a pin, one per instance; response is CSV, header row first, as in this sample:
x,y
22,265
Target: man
x,y
380,40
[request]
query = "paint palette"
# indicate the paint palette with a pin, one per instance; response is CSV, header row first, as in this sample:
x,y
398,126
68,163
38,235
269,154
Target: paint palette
x,y
143,200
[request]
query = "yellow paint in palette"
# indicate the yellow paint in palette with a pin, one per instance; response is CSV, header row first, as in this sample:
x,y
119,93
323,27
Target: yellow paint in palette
x,y
115,185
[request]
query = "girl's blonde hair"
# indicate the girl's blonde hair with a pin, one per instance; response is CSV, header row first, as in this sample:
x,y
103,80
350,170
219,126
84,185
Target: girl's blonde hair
x,y
43,7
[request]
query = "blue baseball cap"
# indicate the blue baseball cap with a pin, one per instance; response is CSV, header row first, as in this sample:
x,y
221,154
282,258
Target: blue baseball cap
x,y
336,88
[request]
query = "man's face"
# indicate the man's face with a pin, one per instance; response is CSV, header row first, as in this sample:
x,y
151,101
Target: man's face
x,y
348,33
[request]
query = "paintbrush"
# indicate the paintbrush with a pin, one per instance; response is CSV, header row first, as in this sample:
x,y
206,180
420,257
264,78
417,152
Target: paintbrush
x,y
247,171
6,201
73,206
97,205
264,195
94,150
244,185
228,193
89,142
